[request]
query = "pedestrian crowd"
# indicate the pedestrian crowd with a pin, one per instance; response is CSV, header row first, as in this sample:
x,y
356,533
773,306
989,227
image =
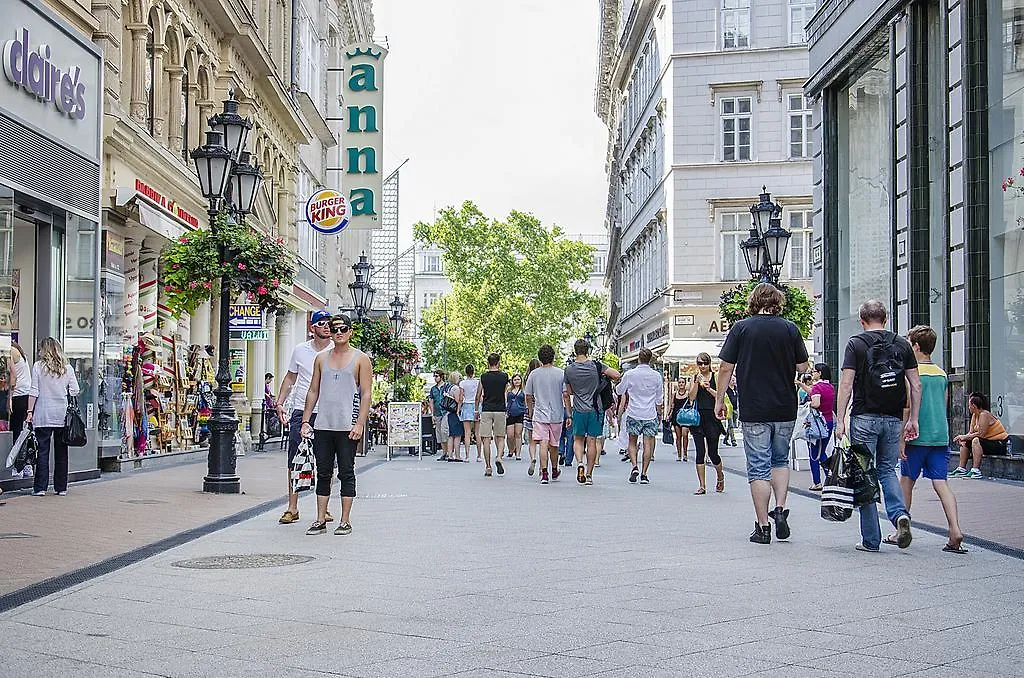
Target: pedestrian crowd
x,y
889,404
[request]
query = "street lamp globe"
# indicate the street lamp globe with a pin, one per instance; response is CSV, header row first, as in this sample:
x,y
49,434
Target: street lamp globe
x,y
753,254
246,181
361,269
397,319
232,126
761,212
776,241
213,165
600,324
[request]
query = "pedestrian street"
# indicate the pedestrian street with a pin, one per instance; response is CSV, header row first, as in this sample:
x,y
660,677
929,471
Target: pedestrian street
x,y
451,573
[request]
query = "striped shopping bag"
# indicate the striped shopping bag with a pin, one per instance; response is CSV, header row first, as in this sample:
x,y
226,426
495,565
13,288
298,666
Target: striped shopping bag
x,y
303,467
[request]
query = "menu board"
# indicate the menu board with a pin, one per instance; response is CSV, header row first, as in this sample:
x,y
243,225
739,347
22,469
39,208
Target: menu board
x,y
403,424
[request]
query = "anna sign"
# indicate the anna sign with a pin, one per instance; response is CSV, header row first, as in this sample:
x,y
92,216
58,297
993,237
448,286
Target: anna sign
x,y
363,137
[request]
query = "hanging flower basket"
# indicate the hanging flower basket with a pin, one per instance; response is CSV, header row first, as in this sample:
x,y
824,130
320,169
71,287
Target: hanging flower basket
x,y
260,267
798,307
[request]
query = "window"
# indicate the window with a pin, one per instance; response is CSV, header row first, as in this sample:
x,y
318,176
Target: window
x,y
309,75
736,129
429,298
1013,30
432,263
599,264
800,12
149,83
735,229
308,241
800,122
799,255
184,117
735,24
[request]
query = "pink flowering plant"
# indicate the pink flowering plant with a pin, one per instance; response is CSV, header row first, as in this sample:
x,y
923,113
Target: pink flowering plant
x,y
259,267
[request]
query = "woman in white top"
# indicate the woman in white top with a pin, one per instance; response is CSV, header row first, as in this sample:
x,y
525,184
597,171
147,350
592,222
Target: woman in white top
x,y
53,379
20,383
469,414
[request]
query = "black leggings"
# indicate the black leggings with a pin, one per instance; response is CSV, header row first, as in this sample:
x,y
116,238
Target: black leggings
x,y
706,437
328,446
19,409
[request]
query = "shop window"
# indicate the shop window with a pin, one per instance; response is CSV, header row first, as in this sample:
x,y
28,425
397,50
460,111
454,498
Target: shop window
x,y
735,24
736,128
735,228
800,12
800,125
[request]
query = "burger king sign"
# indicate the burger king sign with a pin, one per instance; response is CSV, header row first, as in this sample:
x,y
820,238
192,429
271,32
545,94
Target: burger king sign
x,y
327,211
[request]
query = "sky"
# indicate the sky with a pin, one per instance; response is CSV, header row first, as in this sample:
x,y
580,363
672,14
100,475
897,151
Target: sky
x,y
493,101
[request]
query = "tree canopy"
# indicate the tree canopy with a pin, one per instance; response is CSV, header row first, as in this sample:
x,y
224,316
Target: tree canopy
x,y
516,284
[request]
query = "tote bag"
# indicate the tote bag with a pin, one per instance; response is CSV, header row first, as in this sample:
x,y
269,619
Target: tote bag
x,y
73,433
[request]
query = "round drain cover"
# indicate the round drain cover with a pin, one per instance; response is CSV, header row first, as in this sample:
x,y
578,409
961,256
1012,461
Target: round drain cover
x,y
242,561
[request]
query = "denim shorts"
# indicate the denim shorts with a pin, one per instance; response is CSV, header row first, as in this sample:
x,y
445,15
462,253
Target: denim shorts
x,y
766,445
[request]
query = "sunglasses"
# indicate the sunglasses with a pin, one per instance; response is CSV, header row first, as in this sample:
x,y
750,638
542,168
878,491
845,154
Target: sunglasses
x,y
700,363
341,329
322,323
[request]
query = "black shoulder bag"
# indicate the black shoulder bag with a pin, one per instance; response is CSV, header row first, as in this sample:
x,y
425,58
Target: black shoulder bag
x,y
73,434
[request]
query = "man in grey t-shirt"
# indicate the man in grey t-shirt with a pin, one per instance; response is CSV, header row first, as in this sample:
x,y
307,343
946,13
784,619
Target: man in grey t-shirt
x,y
583,379
543,391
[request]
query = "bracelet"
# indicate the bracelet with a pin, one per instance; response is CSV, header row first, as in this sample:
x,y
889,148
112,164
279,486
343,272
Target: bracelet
x,y
305,422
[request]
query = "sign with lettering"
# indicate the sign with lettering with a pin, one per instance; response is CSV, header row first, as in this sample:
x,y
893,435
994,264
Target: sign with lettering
x,y
250,335
362,147
245,317
658,336
166,204
327,212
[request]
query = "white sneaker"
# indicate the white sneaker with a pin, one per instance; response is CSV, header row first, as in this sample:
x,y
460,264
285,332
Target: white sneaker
x,y
974,474
38,494
62,494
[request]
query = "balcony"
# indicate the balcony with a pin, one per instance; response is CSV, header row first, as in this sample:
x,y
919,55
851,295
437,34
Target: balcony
x,y
311,279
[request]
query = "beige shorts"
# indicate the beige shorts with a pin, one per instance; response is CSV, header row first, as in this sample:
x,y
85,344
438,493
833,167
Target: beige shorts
x,y
492,425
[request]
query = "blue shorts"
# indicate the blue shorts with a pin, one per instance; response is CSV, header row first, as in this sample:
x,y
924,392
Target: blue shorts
x,y
766,445
588,424
930,461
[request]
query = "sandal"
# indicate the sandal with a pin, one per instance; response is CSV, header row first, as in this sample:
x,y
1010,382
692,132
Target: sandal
x,y
890,540
949,548
701,491
720,485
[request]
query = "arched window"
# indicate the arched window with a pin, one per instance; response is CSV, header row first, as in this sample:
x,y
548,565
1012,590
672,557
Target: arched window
x,y
150,82
184,115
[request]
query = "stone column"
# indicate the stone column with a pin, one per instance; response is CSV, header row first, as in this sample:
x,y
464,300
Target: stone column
x,y
139,108
174,112
196,122
200,325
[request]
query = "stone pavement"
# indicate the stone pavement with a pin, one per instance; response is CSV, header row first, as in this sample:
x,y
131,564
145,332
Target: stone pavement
x,y
451,573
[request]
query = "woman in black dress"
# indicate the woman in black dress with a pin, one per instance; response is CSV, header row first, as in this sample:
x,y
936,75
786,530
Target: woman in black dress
x,y
679,398
707,434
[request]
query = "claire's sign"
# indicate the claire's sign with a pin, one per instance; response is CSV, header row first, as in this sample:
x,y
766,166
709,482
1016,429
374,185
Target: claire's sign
x,y
36,69
362,137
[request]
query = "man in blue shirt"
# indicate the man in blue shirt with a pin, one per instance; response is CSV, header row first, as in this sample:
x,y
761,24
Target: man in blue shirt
x,y
440,416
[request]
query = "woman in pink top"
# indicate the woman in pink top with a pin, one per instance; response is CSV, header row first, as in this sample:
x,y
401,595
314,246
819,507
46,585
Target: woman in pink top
x,y
823,399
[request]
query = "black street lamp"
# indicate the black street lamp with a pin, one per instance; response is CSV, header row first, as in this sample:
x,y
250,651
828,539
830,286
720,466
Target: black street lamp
x,y
226,179
361,290
397,323
601,325
764,252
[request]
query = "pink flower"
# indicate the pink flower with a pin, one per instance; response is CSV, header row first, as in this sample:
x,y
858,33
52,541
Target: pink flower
x,y
1022,171
1004,187
183,240
176,266
241,266
262,291
280,241
207,285
250,296
193,284
1010,181
168,288
275,282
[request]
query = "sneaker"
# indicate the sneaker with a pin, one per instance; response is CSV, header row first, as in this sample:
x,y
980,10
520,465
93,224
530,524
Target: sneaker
x,y
555,472
543,476
443,457
780,516
974,474
288,517
644,480
533,466
39,494
597,463
501,469
589,480
581,475
343,529
903,536
62,494
634,474
317,528
960,472
762,534
487,473
860,547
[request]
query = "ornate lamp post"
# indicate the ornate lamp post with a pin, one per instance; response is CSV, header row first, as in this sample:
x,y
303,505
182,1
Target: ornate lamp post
x,y
601,325
361,290
227,180
764,252
397,323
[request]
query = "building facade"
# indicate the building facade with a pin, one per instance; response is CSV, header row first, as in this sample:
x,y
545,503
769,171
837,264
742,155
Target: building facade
x,y
917,175
704,104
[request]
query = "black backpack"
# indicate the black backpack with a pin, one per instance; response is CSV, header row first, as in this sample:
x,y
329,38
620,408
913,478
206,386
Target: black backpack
x,y
603,397
448,402
886,389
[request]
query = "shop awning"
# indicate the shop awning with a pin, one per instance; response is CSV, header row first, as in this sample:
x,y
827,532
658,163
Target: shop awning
x,y
686,350
150,216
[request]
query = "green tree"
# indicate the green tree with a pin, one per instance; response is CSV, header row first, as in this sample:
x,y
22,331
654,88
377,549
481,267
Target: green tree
x,y
515,286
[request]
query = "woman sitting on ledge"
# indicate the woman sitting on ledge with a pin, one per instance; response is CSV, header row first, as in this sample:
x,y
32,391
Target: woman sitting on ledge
x,y
986,436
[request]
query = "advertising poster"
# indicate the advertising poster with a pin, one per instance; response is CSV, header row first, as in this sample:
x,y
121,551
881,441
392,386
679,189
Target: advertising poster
x,y
403,425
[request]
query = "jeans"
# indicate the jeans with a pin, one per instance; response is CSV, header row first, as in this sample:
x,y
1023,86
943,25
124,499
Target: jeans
x,y
766,446
881,435
60,460
816,453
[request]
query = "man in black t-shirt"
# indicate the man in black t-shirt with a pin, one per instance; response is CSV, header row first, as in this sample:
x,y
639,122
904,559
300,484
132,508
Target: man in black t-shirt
x,y
766,352
877,367
491,405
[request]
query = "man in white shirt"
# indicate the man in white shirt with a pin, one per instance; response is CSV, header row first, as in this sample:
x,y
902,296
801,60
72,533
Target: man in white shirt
x,y
643,408
300,373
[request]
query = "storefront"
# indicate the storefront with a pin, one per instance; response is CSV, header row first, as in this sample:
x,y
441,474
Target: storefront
x,y
50,139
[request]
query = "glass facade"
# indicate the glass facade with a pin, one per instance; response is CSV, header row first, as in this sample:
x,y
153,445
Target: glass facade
x,y
864,156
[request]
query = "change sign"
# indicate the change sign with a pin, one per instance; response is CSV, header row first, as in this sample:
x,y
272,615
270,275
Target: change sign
x,y
245,317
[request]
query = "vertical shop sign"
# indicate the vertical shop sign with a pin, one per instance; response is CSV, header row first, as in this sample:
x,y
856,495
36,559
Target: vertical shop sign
x,y
362,146
130,327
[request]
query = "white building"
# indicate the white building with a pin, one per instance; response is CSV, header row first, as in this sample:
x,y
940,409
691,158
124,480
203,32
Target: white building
x,y
703,102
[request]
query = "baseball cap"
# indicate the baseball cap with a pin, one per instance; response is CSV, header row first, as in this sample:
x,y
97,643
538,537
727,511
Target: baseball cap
x,y
320,315
341,320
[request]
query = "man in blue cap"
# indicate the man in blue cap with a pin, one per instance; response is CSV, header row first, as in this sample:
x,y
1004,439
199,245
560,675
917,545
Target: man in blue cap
x,y
300,373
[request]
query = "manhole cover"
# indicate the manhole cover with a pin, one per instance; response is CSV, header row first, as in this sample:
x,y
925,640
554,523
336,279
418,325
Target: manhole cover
x,y
143,501
16,535
242,562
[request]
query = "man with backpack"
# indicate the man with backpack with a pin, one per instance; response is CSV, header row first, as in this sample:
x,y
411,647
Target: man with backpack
x,y
878,366
588,387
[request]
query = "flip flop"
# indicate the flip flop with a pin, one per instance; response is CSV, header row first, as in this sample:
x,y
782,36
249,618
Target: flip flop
x,y
949,548
701,491
890,540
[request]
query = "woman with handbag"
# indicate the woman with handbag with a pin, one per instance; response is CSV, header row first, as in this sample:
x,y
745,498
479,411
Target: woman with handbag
x,y
707,433
515,410
682,434
451,402
19,385
53,385
823,401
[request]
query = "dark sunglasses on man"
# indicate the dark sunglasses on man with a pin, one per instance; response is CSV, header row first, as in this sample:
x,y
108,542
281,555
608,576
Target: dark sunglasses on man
x,y
340,329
